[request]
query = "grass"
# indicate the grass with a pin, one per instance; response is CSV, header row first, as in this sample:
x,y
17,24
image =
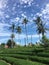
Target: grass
x,y
3,62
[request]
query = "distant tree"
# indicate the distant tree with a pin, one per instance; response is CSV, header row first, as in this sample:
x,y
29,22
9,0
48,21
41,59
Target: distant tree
x,y
30,45
38,23
9,42
31,33
41,28
12,35
18,30
2,45
45,41
25,21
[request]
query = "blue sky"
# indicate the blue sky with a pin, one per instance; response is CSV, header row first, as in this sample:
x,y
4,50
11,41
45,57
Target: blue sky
x,y
12,11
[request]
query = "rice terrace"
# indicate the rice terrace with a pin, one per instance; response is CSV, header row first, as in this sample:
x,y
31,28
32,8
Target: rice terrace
x,y
24,32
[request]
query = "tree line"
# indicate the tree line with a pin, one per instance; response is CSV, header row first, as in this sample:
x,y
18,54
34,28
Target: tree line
x,y
41,29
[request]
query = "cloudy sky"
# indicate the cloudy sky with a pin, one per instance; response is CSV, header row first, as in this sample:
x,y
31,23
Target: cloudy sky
x,y
12,11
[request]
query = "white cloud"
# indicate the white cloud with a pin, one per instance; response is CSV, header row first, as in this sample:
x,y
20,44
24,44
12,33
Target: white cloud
x,y
26,1
34,18
29,4
18,43
47,23
22,36
45,14
46,9
1,13
7,16
13,8
39,14
5,34
37,5
2,25
25,6
34,36
17,18
31,14
23,15
3,3
18,5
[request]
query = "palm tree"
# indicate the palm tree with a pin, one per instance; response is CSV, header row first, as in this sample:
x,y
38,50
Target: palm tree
x,y
40,26
38,22
12,35
31,35
43,28
31,38
25,21
18,29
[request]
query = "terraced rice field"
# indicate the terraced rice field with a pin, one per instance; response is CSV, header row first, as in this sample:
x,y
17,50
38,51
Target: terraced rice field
x,y
24,56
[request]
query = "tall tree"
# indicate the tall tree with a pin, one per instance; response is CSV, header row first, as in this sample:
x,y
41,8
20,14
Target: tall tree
x,y
43,28
18,29
38,23
40,26
25,21
12,35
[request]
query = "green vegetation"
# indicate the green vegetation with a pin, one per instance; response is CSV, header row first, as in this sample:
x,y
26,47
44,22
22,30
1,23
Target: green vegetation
x,y
9,42
45,41
25,56
15,61
3,62
31,54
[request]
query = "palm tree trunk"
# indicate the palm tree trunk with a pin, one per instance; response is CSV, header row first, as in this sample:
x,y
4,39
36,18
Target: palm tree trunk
x,y
12,40
25,41
12,43
19,39
31,38
39,37
31,34
42,34
26,35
